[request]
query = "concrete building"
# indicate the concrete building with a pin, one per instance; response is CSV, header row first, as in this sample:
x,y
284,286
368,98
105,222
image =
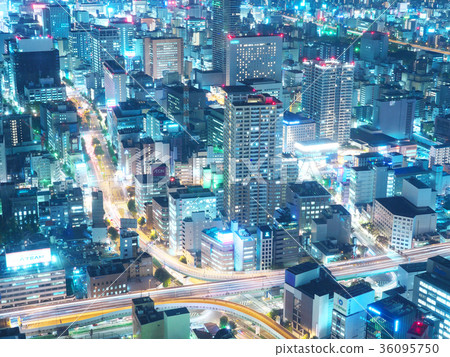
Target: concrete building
x,y
401,221
105,43
163,54
217,250
158,219
252,185
30,277
440,155
349,311
182,204
106,279
432,291
308,299
149,323
405,276
115,83
296,128
374,46
98,211
252,57
328,98
191,230
361,185
150,185
334,222
129,244
306,201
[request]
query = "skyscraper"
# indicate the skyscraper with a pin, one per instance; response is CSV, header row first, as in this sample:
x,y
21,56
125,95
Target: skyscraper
x,y
56,21
253,57
105,46
226,21
327,98
252,155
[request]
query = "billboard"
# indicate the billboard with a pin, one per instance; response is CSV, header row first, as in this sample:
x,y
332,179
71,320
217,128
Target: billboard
x,y
159,170
28,257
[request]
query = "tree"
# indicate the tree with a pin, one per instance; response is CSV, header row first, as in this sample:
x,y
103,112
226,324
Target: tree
x,y
98,151
223,322
132,206
113,232
232,325
95,142
183,259
141,221
167,282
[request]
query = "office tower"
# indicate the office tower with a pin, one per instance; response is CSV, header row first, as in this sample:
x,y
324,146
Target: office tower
x,y
399,218
23,284
306,201
393,114
226,21
182,204
163,54
214,124
17,129
308,299
442,126
149,323
327,98
296,128
278,244
244,248
349,311
126,33
106,279
79,44
31,60
56,21
361,185
252,156
98,211
253,57
129,244
432,291
105,47
59,121
374,46
390,318
115,83
217,249
3,163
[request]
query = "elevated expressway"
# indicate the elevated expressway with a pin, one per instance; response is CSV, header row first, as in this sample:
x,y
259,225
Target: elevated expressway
x,y
61,314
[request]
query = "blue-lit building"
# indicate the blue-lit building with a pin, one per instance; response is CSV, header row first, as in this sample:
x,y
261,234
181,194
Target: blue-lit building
x,y
432,291
30,277
390,318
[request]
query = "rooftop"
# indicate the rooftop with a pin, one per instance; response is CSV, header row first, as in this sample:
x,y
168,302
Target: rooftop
x,y
105,269
393,307
417,183
355,290
414,267
400,206
302,268
308,189
320,287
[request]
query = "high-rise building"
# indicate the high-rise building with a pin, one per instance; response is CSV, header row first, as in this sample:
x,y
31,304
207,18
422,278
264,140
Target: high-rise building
x,y
432,291
56,21
105,46
98,211
79,44
374,46
150,185
17,129
327,98
226,21
393,114
115,83
253,57
3,163
163,54
252,156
